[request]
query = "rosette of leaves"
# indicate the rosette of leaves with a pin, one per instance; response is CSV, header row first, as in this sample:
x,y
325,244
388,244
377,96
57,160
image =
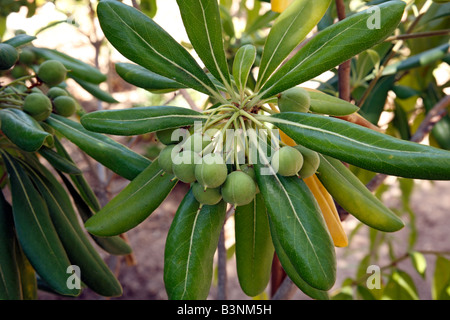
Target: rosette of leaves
x,y
285,210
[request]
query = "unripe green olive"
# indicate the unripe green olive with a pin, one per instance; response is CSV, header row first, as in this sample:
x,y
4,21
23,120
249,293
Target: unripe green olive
x,y
27,56
55,92
165,158
8,56
38,106
171,136
311,162
65,105
19,71
239,189
197,142
52,72
294,100
208,196
184,165
212,171
248,169
287,161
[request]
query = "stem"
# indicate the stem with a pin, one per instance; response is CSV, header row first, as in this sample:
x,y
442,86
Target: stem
x,y
17,81
418,35
344,68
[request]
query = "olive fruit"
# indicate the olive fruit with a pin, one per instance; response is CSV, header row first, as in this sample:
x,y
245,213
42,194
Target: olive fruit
x,y
184,165
248,169
54,92
197,142
19,71
171,136
65,105
311,161
239,189
287,161
52,72
212,171
208,196
38,105
27,56
294,100
165,158
8,56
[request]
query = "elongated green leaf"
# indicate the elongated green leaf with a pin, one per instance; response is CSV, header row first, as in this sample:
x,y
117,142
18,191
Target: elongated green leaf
x,y
140,120
94,272
242,65
133,204
260,22
20,40
201,19
354,197
146,79
150,46
364,147
289,29
23,130
76,67
334,45
190,246
28,277
114,245
254,248
376,100
10,286
59,162
419,262
291,272
108,152
326,104
94,90
441,279
35,230
296,218
400,287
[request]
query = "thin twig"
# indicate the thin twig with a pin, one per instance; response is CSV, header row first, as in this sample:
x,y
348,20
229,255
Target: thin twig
x,y
344,68
418,35
189,100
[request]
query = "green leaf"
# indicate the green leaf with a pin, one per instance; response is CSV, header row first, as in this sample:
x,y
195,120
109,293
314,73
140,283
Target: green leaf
x,y
242,65
133,204
23,130
10,286
326,104
105,150
400,287
354,197
76,67
376,100
94,90
35,230
201,19
334,45
363,147
441,279
254,248
260,22
20,40
190,246
146,79
289,29
59,162
419,262
296,218
113,245
150,46
140,120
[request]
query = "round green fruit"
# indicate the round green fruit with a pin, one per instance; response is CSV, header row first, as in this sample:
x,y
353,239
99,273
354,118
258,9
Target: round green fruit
x,y
287,161
208,196
65,105
8,56
19,71
197,142
55,92
38,106
165,158
27,56
212,171
171,136
248,169
239,189
52,72
311,162
184,165
294,100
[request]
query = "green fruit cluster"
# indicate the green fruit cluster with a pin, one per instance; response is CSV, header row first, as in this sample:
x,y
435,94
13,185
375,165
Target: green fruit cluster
x,y
295,161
